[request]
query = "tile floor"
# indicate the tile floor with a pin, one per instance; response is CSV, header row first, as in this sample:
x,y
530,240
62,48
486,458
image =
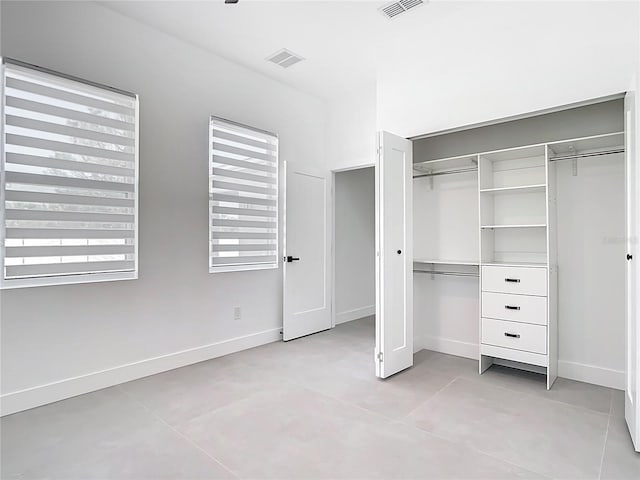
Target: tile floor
x,y
312,408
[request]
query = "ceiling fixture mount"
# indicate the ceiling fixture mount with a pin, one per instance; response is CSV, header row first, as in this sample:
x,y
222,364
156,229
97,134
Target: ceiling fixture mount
x,y
393,9
231,1
285,58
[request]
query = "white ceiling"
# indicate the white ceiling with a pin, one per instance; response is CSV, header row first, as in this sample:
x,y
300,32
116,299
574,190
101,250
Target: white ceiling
x,y
339,39
349,44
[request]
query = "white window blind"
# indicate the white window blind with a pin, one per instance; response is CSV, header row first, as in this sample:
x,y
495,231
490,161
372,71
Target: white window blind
x,y
243,197
69,180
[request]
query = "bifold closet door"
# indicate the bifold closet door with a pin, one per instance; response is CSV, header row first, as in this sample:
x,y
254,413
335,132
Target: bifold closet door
x,y
394,255
632,380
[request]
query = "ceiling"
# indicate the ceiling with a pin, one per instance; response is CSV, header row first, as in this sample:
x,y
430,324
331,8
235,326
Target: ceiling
x,y
339,39
483,48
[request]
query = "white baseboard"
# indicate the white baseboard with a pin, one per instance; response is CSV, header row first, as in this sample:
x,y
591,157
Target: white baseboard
x,y
581,372
574,371
355,314
20,400
451,347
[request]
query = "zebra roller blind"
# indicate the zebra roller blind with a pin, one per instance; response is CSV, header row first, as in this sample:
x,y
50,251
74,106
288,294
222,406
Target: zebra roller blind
x,y
243,197
69,180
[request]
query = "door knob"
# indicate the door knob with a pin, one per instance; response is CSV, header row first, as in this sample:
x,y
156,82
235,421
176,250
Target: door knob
x,y
629,256
290,259
399,252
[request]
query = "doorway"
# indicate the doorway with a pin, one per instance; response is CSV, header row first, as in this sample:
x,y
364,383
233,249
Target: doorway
x,y
354,252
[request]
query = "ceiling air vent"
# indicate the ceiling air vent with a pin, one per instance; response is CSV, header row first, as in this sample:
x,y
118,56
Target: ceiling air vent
x,y
392,10
285,58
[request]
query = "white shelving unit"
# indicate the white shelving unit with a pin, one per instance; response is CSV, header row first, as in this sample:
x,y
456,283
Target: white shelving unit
x,y
515,237
513,195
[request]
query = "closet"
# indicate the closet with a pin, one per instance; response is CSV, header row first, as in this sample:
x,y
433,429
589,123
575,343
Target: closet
x,y
512,244
485,246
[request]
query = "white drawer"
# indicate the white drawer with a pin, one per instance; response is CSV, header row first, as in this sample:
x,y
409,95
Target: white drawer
x,y
520,280
519,336
517,308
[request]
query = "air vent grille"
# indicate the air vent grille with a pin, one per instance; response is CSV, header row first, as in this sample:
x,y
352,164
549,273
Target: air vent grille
x,y
284,58
392,10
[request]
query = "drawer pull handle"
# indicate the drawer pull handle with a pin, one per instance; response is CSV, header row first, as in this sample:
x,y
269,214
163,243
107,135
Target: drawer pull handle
x,y
511,335
511,307
512,280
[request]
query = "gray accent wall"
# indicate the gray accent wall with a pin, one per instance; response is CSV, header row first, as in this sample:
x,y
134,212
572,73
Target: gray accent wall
x,y
604,117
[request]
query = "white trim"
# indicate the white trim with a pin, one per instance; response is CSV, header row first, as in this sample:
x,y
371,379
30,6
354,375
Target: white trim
x,y
451,347
27,398
580,372
244,268
332,221
3,142
594,374
53,280
355,314
359,166
418,344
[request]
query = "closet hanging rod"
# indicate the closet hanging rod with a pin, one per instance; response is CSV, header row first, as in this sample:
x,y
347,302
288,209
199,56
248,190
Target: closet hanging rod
x,y
453,274
584,155
448,172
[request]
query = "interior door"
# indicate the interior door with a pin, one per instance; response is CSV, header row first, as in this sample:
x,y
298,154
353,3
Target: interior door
x,y
632,403
394,255
307,294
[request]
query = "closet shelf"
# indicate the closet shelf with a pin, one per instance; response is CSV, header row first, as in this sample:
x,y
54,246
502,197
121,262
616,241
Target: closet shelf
x,y
522,188
446,165
472,263
514,264
531,225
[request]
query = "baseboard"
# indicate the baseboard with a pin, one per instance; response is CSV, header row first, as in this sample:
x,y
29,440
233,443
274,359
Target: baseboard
x,y
574,371
581,372
451,347
355,314
18,401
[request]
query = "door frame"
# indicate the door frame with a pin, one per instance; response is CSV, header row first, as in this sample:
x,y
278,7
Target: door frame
x,y
632,248
333,229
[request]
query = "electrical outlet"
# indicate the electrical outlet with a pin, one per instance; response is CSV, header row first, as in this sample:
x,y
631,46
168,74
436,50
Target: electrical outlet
x,y
237,313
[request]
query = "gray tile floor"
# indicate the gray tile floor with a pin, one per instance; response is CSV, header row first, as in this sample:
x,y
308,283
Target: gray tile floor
x,y
312,408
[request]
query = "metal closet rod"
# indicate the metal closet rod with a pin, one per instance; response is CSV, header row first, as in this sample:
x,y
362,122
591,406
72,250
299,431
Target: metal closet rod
x,y
453,274
448,172
584,155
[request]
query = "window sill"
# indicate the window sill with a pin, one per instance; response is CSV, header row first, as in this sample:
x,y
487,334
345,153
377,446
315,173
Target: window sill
x,y
241,268
66,280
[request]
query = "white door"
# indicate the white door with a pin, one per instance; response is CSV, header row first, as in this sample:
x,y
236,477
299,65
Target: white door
x,y
632,403
307,294
394,255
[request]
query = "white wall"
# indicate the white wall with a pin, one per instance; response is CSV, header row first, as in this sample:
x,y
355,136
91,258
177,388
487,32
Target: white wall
x,y
497,59
351,129
591,269
354,194
445,227
64,340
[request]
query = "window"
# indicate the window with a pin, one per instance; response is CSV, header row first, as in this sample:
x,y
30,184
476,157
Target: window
x,y
243,197
69,178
